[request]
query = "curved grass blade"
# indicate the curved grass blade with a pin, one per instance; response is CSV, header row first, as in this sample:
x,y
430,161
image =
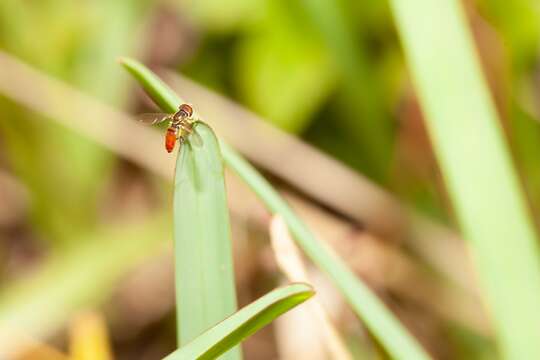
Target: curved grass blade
x,y
477,166
205,291
243,323
381,322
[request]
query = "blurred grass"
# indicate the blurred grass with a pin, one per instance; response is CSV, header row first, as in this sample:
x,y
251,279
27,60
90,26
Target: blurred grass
x,y
79,42
517,25
242,43
380,321
477,167
324,337
393,336
302,64
82,277
518,22
361,95
205,286
279,58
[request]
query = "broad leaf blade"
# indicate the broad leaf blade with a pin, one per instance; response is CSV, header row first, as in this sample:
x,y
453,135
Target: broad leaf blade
x,y
378,318
204,271
205,292
242,324
477,166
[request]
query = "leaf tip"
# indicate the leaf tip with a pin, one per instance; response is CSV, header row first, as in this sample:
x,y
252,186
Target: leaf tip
x,y
127,62
304,288
123,60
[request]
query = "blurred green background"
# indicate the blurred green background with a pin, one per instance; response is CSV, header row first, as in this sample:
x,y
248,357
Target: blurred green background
x,y
331,72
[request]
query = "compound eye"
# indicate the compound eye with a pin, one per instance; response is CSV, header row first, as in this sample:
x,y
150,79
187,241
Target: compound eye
x,y
186,109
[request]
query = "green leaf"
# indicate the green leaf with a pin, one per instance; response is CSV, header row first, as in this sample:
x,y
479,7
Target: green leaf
x,y
361,97
205,292
380,321
221,17
477,167
518,23
231,331
278,60
75,33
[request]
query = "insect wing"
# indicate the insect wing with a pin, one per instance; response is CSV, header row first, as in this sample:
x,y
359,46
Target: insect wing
x,y
152,118
195,138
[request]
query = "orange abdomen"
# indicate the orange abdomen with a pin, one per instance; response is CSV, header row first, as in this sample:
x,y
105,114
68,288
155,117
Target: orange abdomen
x,y
170,140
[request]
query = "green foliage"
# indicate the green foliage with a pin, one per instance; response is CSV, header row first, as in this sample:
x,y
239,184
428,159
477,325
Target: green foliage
x,y
477,167
60,37
222,17
205,292
284,74
360,96
379,320
248,320
519,24
330,71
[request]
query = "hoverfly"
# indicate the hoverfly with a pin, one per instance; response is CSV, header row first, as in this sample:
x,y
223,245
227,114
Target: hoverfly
x,y
180,126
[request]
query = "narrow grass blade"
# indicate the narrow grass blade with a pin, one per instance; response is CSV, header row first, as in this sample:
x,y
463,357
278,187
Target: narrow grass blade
x,y
380,321
314,314
477,167
243,323
205,292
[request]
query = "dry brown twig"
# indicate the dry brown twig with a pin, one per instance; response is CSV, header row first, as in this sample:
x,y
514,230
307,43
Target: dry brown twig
x,y
313,314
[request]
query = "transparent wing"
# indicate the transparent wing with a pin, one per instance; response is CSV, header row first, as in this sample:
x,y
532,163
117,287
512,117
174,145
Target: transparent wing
x,y
152,118
195,138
